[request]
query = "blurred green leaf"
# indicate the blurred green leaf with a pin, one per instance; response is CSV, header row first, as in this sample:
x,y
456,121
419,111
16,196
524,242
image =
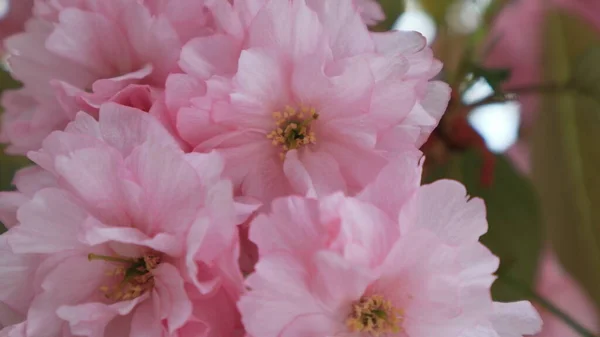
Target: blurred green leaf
x,y
495,77
513,216
437,9
8,164
392,9
565,151
586,76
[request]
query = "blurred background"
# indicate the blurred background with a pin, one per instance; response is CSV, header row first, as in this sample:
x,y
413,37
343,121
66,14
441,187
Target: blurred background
x,y
522,131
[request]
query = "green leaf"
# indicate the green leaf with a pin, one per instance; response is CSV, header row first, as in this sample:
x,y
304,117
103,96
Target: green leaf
x,y
495,77
392,9
437,9
513,216
8,166
565,151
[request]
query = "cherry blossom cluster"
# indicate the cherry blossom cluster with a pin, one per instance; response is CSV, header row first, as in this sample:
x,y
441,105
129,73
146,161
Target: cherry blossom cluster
x,y
234,168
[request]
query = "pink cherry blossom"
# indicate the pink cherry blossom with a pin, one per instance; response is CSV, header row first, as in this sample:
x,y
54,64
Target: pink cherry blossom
x,y
398,260
309,102
135,238
76,55
555,285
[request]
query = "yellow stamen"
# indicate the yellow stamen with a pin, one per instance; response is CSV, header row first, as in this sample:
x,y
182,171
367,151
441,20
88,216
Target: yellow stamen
x,y
374,315
293,128
134,276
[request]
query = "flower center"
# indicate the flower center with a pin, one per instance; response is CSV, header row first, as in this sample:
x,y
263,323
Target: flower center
x,y
134,276
293,128
374,315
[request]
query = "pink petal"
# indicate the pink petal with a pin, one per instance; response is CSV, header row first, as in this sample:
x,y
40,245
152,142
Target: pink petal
x,y
210,55
391,190
175,306
49,223
32,179
516,319
170,199
292,226
399,42
145,322
125,128
297,175
93,175
96,233
72,281
366,234
279,296
444,208
337,282
181,88
348,36
78,28
16,281
91,319
262,82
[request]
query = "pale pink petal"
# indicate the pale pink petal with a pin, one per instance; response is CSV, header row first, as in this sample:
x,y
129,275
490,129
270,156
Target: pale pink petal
x,y
171,189
399,42
32,179
95,233
516,319
325,173
181,89
125,128
337,282
366,234
215,315
70,282
292,225
16,282
297,175
279,295
104,43
145,322
210,55
91,319
93,175
176,307
48,223
444,208
348,36
262,81
394,185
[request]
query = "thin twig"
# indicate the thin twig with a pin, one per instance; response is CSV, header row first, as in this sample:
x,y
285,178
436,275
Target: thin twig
x,y
512,94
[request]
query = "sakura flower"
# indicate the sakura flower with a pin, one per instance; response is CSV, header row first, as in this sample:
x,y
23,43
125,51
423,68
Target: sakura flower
x,y
135,239
558,287
398,260
311,104
76,55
